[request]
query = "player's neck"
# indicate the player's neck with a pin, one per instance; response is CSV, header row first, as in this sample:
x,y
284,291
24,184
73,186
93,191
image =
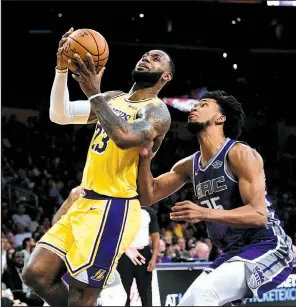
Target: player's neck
x,y
210,142
140,93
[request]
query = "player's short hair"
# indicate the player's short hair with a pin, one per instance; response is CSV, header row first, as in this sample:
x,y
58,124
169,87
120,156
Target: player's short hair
x,y
232,109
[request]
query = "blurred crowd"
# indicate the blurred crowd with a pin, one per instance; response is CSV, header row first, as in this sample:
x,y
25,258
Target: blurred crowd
x,y
42,162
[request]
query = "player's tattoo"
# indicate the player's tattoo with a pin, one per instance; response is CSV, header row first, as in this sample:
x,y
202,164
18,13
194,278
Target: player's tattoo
x,y
154,120
108,96
154,115
92,117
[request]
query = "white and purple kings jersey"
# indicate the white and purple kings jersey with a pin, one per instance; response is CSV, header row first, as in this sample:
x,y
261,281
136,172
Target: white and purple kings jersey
x,y
267,251
216,187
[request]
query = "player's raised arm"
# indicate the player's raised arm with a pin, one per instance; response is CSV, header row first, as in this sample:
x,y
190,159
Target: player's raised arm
x,y
152,189
63,111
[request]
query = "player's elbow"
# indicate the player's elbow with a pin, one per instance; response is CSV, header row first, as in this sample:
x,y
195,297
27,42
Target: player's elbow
x,y
55,118
261,220
123,145
148,198
123,142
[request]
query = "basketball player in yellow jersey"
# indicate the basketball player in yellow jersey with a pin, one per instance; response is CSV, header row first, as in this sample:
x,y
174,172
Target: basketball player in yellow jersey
x,y
90,238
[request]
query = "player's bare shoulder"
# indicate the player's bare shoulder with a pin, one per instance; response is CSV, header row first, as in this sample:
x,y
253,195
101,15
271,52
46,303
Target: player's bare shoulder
x,y
242,156
157,115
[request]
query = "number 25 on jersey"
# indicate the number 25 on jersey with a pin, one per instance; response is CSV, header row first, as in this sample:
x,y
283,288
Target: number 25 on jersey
x,y
212,203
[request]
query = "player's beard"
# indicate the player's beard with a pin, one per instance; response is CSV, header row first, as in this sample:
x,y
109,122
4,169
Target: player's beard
x,y
196,128
146,78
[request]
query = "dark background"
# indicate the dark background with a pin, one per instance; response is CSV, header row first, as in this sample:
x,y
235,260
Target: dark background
x,y
201,32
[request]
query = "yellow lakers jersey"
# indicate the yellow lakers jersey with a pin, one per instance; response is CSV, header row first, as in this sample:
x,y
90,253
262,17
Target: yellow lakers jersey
x,y
108,169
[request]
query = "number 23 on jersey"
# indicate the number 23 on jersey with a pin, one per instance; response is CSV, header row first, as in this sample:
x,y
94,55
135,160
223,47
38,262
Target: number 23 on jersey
x,y
100,140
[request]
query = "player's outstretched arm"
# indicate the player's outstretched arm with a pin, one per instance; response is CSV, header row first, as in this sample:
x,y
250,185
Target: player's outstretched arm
x,y
247,165
152,189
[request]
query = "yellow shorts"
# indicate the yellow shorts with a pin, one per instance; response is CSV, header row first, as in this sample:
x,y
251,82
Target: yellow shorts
x,y
93,235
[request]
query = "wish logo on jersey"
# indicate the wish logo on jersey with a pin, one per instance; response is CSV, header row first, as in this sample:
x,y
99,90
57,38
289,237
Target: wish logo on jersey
x,y
99,275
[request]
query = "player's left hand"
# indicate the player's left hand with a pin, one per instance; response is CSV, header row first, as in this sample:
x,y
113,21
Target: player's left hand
x,y
151,265
187,211
85,73
75,194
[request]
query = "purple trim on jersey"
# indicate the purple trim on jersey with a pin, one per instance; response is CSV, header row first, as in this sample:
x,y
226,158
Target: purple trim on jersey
x,y
249,252
267,265
67,278
110,243
275,281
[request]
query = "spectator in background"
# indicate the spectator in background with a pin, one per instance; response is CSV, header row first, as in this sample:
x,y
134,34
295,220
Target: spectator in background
x,y
167,240
46,224
20,217
181,252
209,244
40,231
202,251
35,222
11,238
161,251
174,229
21,235
27,248
10,252
5,216
192,252
12,278
4,242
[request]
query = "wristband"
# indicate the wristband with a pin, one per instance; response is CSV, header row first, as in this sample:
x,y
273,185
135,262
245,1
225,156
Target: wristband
x,y
94,96
61,70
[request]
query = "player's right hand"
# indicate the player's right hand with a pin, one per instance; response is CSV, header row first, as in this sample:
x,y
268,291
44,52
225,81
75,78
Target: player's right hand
x,y
61,62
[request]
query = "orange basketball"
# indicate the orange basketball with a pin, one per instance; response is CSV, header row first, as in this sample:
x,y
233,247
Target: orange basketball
x,y
83,41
